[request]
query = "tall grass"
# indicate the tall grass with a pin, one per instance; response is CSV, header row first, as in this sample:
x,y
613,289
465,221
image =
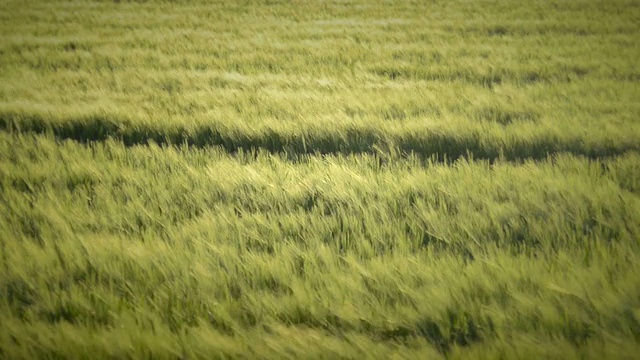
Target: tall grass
x,y
273,179
428,78
104,240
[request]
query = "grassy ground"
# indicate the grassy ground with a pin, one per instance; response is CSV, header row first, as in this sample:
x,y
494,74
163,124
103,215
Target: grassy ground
x,y
311,179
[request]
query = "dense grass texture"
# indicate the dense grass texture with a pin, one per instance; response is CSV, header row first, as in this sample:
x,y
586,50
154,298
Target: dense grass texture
x,y
319,179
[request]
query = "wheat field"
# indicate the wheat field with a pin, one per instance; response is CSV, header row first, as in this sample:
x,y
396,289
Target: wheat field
x,y
320,179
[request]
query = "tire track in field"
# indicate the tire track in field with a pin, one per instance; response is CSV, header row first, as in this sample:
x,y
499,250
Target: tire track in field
x,y
436,146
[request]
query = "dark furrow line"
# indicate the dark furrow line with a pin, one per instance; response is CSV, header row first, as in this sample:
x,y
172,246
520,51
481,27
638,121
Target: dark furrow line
x,y
434,146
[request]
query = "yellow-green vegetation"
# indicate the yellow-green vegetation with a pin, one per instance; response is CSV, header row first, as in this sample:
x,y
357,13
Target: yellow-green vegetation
x,y
319,179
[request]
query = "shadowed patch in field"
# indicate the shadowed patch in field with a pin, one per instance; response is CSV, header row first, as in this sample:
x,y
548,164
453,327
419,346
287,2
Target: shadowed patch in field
x,y
351,139
505,117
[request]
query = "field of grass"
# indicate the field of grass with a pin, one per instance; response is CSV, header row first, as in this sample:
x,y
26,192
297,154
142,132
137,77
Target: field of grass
x,y
320,179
